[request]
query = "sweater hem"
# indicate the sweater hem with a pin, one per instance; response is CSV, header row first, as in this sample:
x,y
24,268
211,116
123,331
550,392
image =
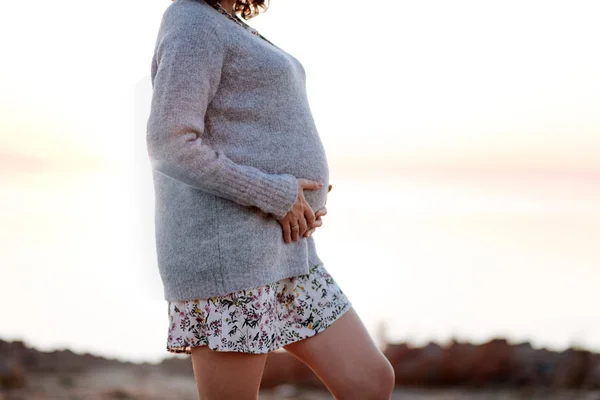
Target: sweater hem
x,y
189,291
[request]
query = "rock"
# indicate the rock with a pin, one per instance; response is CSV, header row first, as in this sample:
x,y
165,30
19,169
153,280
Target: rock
x,y
523,361
12,374
493,363
177,365
592,379
415,367
572,369
458,362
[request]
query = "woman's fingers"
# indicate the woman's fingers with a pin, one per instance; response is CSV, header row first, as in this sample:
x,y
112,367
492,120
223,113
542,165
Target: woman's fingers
x,y
295,228
321,211
303,226
318,223
308,184
306,220
309,232
302,230
287,223
309,215
285,227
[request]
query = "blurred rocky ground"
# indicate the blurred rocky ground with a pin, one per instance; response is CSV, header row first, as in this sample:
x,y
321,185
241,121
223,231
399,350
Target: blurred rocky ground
x,y
492,370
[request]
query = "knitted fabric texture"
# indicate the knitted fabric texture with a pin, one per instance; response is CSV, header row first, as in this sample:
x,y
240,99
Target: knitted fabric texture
x,y
230,129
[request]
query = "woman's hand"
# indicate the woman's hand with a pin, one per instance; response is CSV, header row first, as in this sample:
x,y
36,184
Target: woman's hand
x,y
301,217
318,221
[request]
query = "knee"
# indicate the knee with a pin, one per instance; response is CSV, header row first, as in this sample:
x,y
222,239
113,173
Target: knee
x,y
376,384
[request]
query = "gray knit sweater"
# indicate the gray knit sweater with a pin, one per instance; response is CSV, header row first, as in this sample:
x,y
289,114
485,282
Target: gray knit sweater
x,y
230,129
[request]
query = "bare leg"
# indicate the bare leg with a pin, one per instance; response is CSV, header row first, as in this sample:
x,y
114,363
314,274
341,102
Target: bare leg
x,y
347,360
227,375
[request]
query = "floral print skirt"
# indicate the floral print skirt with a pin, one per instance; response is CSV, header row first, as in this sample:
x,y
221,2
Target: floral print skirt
x,y
261,319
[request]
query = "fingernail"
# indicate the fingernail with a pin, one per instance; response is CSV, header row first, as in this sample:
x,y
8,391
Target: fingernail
x,y
320,184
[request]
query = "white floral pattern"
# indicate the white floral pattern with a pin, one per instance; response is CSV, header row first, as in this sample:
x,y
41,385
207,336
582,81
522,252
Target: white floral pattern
x,y
261,319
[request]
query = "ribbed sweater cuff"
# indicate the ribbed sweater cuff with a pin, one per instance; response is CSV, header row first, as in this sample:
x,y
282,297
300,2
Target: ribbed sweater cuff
x,y
272,193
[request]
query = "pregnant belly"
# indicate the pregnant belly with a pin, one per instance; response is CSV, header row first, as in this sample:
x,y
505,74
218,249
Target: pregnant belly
x,y
317,198
312,166
306,159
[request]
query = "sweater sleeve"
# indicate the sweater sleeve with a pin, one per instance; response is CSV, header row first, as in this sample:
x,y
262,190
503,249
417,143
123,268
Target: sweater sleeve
x,y
186,71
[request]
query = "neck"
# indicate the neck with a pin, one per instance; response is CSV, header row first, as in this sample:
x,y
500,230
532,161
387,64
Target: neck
x,y
228,5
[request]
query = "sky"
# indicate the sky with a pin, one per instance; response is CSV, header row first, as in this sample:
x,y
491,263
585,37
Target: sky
x,y
462,139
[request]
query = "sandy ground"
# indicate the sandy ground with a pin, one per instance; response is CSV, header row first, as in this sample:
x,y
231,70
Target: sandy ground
x,y
127,384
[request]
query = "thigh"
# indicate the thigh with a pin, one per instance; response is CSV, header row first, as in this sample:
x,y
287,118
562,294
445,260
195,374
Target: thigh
x,y
347,360
227,375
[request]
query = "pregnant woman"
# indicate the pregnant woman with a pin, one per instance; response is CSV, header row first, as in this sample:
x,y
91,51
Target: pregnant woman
x,y
240,181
